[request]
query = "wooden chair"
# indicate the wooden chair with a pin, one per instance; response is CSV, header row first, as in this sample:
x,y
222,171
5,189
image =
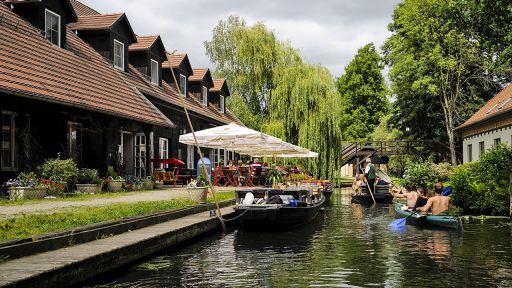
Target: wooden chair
x,y
218,176
230,178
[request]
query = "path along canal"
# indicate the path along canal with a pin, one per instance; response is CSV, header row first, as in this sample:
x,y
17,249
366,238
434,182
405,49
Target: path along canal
x,y
348,245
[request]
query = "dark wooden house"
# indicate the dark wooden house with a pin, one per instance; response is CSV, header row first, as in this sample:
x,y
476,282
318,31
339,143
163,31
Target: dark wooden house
x,y
59,95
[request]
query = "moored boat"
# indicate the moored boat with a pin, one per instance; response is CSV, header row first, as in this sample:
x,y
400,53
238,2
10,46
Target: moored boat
x,y
381,195
446,221
297,208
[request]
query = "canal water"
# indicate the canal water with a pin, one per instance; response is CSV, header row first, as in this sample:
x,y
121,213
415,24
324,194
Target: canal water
x,y
348,245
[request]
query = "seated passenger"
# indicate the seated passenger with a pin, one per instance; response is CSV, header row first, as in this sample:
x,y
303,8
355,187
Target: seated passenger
x,y
438,204
358,182
379,181
422,199
411,196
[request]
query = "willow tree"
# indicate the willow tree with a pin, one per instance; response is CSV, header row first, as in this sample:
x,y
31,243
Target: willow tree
x,y
294,100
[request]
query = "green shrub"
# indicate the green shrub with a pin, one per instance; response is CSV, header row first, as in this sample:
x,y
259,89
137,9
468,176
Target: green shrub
x,y
60,170
426,173
88,176
111,172
481,187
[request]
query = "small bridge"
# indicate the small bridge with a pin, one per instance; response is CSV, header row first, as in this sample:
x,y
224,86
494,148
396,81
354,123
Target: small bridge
x,y
361,151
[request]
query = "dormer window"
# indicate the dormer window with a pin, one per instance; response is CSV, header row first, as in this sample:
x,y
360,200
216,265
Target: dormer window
x,y
52,27
221,103
118,55
183,85
205,95
154,72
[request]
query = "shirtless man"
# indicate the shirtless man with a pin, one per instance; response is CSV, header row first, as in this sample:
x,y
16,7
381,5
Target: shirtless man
x,y
412,196
438,203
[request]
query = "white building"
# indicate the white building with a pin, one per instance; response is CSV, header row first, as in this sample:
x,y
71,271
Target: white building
x,y
490,125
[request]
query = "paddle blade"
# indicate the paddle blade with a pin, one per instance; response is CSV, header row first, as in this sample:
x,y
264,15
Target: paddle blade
x,y
398,223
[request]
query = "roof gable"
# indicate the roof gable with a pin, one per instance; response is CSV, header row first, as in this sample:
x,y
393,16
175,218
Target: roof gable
x,y
68,7
200,74
146,43
32,67
81,9
497,105
177,61
220,86
100,22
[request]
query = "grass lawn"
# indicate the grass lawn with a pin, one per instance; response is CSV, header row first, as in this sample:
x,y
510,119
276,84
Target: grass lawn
x,y
33,224
71,197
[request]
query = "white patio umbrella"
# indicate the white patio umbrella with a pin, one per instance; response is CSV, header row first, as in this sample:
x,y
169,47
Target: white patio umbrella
x,y
243,140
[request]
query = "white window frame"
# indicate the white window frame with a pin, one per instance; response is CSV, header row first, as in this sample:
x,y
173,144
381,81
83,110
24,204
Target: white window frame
x,y
183,84
205,96
222,103
141,148
154,74
46,11
190,156
12,148
163,148
122,55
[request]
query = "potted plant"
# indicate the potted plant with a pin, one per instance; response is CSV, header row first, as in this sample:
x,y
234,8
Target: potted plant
x,y
274,177
138,183
52,188
88,181
25,186
114,182
149,182
62,171
197,190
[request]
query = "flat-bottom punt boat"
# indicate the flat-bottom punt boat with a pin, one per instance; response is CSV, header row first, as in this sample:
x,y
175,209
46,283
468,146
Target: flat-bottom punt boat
x,y
447,221
299,207
381,195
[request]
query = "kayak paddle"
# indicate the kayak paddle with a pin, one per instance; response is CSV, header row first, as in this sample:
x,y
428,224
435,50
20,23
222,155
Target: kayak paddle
x,y
401,221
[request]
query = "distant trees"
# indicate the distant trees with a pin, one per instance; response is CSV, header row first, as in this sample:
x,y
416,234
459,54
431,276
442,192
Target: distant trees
x,y
363,93
443,65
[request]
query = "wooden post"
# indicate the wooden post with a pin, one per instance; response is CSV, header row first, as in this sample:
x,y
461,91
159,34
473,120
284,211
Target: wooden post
x,y
510,193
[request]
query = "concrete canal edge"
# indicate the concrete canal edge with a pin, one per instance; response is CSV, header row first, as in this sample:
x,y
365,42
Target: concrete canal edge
x,y
74,264
41,243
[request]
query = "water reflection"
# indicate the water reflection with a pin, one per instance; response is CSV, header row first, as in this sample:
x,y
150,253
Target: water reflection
x,y
348,245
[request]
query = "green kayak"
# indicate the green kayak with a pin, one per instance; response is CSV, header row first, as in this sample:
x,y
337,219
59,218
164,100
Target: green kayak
x,y
446,221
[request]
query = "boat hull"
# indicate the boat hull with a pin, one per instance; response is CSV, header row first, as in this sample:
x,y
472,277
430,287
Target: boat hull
x,y
445,221
275,217
381,195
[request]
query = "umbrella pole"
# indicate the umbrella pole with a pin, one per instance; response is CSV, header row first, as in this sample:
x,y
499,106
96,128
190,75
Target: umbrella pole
x,y
210,185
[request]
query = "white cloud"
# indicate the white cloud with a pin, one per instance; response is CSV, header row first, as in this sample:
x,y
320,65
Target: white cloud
x,y
328,32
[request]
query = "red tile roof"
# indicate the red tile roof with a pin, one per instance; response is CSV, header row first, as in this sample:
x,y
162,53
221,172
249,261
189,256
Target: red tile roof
x,y
170,95
143,43
30,66
173,60
497,105
217,85
82,10
198,74
96,22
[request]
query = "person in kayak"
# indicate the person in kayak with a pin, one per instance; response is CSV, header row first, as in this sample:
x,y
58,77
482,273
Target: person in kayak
x,y
422,199
411,195
438,204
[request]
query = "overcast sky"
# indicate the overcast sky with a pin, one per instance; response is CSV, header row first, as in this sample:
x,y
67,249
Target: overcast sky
x,y
328,32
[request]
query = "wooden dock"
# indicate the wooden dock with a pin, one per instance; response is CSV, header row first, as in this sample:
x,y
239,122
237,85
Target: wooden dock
x,y
74,264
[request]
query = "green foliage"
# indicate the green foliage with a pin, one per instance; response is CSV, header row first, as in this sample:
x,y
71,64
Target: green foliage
x,y
363,93
438,71
481,187
60,170
283,95
426,173
111,172
88,176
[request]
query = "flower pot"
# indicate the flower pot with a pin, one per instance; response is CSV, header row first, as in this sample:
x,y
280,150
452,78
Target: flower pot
x,y
87,188
149,184
197,194
159,185
16,193
115,185
138,186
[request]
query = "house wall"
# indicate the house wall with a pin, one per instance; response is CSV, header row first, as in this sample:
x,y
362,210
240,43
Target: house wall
x,y
504,133
42,133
